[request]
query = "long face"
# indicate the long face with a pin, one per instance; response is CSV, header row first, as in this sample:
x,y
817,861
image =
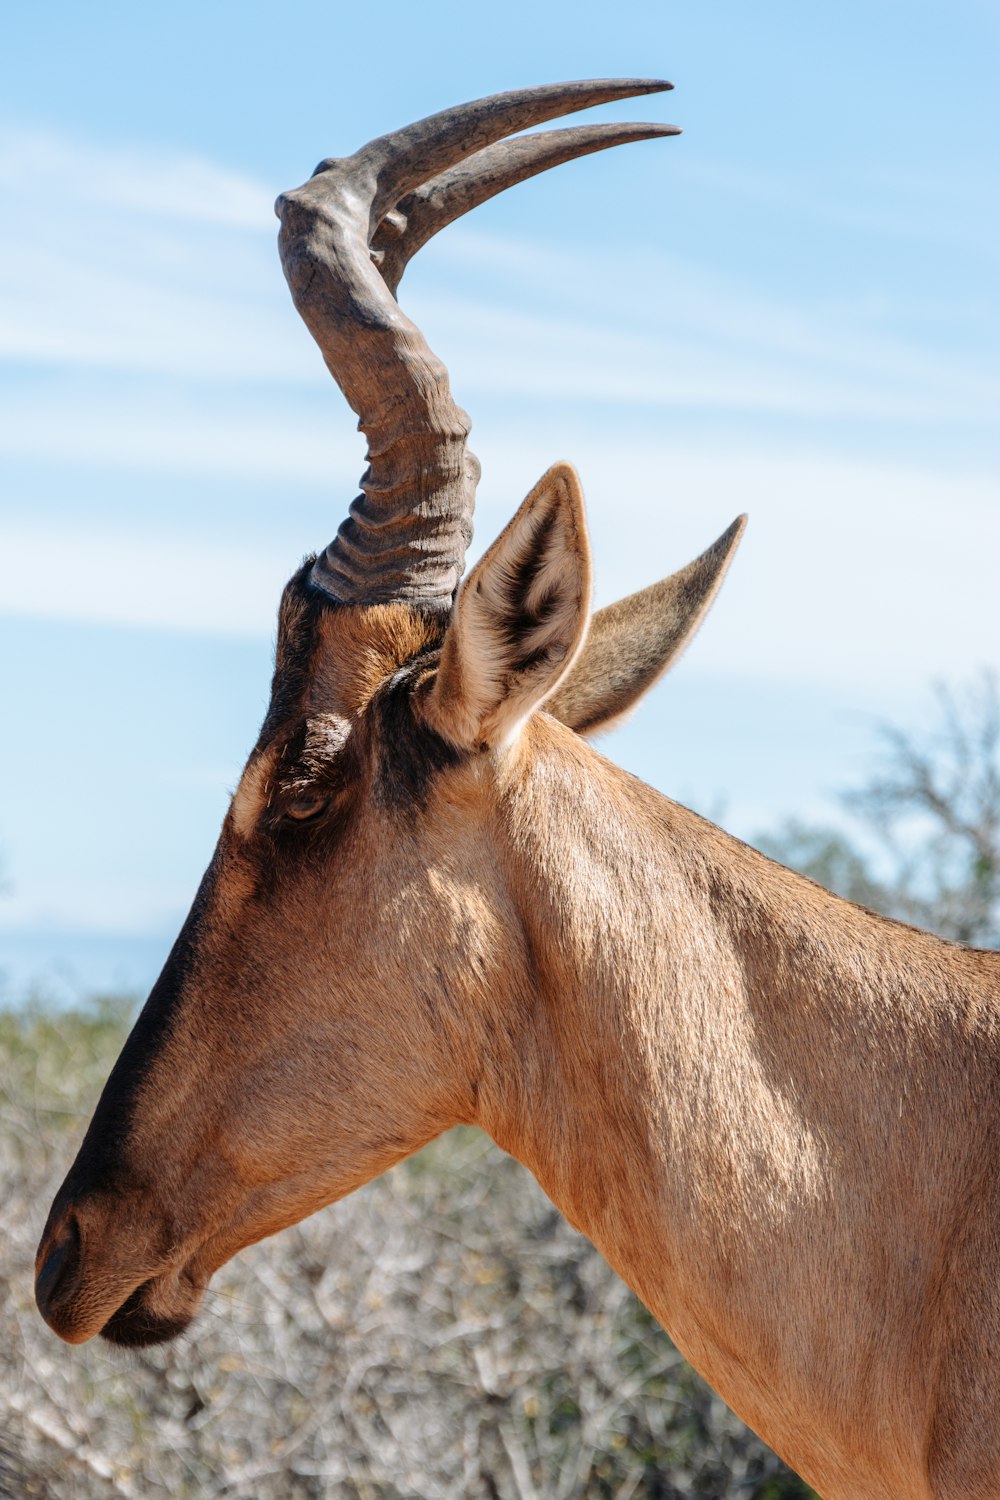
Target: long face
x,y
302,1036
355,949
326,1006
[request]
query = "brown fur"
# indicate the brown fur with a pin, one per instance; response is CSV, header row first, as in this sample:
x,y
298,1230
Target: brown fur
x,y
632,643
774,1112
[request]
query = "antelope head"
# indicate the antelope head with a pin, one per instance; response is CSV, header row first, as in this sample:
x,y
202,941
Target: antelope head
x,y
354,975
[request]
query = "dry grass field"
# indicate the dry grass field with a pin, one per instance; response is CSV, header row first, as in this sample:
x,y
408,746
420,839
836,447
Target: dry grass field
x,y
442,1334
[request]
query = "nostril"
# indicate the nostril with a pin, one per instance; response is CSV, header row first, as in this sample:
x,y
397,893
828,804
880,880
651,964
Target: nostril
x,y
50,1269
58,1267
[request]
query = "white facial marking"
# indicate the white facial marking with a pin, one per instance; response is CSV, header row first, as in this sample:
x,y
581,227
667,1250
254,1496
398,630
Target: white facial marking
x,y
250,797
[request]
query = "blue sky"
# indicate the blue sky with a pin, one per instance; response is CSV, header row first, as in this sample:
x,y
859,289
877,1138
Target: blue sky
x,y
791,309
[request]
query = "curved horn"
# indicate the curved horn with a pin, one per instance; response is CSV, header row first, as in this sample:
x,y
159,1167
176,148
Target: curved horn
x,y
421,214
345,237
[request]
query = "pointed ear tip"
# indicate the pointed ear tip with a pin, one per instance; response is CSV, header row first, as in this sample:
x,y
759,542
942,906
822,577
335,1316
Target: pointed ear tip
x,y
562,481
563,473
734,532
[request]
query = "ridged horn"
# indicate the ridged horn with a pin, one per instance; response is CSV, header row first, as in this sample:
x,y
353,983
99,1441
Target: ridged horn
x,y
345,237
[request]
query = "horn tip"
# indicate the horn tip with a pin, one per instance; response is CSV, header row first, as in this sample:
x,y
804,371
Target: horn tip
x,y
633,86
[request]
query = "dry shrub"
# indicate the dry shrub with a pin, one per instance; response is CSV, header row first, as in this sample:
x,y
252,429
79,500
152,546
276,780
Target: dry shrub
x,y
443,1333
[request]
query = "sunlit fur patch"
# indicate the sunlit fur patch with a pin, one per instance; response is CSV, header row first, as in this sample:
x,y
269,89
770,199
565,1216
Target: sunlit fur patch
x,y
250,797
326,735
353,651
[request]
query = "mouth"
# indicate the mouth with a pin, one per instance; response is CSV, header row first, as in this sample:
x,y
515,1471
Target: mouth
x,y
88,1283
79,1299
142,1319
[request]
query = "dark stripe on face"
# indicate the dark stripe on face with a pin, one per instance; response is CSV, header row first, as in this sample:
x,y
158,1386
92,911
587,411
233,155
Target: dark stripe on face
x,y
410,754
302,605
101,1162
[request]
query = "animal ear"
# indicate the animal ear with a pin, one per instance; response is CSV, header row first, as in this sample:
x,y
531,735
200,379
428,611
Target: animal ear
x,y
519,620
632,643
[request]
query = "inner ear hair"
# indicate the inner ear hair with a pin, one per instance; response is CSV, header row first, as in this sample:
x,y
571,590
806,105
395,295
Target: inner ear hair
x,y
519,620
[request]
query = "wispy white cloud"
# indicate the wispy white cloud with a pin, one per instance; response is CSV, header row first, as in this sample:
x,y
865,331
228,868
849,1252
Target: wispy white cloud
x,y
149,307
156,263
67,174
129,310
687,368
181,283
149,578
172,432
167,267
851,572
878,202
670,333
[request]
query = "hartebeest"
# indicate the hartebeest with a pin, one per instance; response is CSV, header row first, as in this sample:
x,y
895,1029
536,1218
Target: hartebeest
x,y
431,902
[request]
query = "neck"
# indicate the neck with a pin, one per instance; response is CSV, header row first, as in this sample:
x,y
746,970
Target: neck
x,y
729,1082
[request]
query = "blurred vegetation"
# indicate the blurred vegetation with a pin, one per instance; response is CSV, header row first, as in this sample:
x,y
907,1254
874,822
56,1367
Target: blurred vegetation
x,y
442,1333
926,841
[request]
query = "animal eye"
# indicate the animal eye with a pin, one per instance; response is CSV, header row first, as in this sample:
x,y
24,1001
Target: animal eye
x,y
307,806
